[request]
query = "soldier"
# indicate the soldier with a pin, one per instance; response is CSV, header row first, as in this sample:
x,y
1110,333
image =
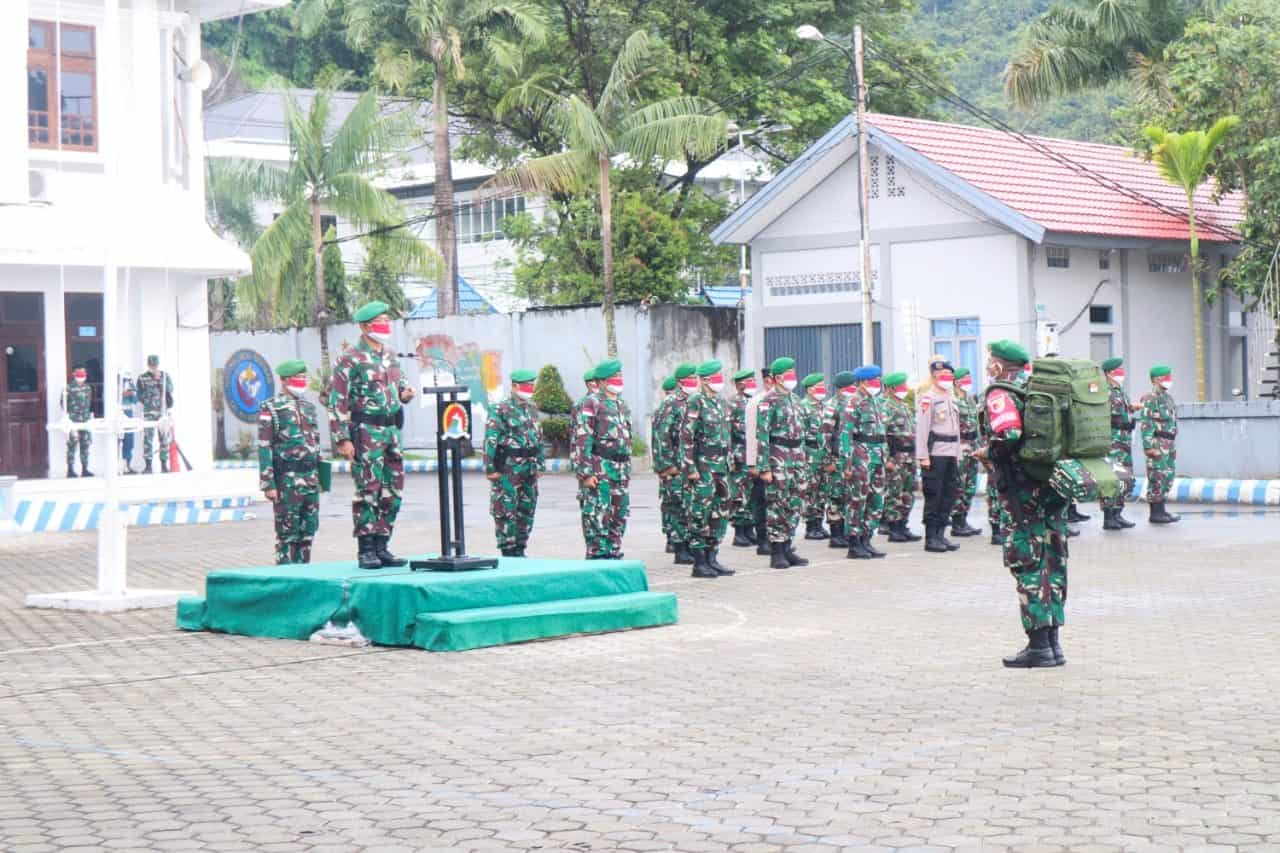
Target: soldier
x,y
740,479
513,461
366,406
1035,551
77,402
589,380
288,456
128,400
155,392
862,446
937,451
812,408
780,456
603,438
833,484
1122,425
967,466
666,453
705,447
756,503
900,482
665,508
1159,420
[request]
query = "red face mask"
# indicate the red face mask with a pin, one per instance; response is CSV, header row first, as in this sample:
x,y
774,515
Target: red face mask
x,y
749,386
525,389
80,374
614,384
848,390
901,392
296,383
873,386
965,383
788,380
819,390
380,329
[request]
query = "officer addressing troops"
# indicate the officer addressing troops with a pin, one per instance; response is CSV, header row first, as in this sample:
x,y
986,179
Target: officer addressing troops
x,y
937,451
288,460
740,479
366,405
781,461
666,454
513,461
811,409
77,402
704,467
1122,425
834,488
603,440
155,393
900,480
1159,420
862,446
967,465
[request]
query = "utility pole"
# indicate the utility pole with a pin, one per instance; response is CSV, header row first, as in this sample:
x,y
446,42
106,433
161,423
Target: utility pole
x,y
864,196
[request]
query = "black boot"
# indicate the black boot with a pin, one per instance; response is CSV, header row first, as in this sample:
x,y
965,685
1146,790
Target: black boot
x,y
384,556
671,546
813,529
684,557
85,472
778,556
857,551
838,538
1160,515
71,471
942,536
741,539
367,557
146,469
763,547
507,552
713,560
997,536
1076,516
1059,658
871,550
933,542
793,558
885,526
1072,532
1037,653
906,532
960,527
700,567
1121,520
1109,519
896,532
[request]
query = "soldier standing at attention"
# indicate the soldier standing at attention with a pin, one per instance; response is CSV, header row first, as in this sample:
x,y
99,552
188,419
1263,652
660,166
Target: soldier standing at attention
x,y
666,452
589,380
155,392
833,485
704,459
128,400
1035,551
1159,420
288,456
862,446
740,480
967,467
812,408
603,439
900,434
781,461
513,461
366,406
1122,424
664,489
77,402
937,451
756,503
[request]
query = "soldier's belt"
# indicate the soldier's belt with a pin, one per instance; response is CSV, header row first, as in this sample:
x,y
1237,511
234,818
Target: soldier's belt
x,y
815,445
790,443
863,438
943,436
1162,434
521,453
306,465
1117,423
969,436
902,445
374,419
613,454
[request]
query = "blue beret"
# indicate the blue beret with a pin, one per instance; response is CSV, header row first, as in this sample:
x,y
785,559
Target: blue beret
x,y
867,371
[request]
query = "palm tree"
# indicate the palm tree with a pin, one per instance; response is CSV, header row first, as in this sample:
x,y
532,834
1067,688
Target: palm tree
x,y
1183,159
613,126
329,171
443,30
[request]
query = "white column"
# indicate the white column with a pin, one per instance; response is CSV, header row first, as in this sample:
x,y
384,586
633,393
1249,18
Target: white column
x,y
13,102
56,369
192,372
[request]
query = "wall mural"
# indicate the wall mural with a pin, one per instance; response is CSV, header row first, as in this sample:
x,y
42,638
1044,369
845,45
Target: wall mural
x,y
247,380
480,370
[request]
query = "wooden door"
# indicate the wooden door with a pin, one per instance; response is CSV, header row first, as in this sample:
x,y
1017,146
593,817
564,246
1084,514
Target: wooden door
x,y
24,442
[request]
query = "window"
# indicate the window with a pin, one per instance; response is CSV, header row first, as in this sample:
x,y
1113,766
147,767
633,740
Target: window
x,y
1104,260
1099,313
84,339
1166,262
483,220
1058,257
956,340
62,104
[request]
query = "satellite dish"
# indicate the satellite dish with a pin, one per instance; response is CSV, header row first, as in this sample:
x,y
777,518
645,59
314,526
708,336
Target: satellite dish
x,y
199,75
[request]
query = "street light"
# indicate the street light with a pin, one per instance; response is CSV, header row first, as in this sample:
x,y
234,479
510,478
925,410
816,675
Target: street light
x,y
808,32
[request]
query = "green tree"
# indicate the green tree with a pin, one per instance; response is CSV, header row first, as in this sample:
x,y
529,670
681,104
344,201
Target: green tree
x,y
382,275
1184,160
229,210
615,125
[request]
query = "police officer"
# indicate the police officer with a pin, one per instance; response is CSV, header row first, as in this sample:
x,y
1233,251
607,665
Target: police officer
x,y
666,452
77,402
603,439
938,451
704,467
513,461
155,392
740,479
1159,420
812,409
1122,425
781,460
967,466
366,406
288,460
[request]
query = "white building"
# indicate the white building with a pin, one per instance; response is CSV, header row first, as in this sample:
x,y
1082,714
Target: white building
x,y
104,248
976,236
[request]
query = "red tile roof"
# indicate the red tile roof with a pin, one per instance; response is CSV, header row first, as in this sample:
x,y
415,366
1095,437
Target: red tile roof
x,y
1054,195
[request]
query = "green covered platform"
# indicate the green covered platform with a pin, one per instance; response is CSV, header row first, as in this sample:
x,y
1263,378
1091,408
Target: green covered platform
x,y
521,600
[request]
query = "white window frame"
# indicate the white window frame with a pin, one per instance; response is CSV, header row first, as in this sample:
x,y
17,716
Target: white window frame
x,y
1166,262
1057,257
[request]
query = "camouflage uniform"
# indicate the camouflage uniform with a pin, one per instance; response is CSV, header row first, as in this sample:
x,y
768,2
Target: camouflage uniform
x,y
833,486
739,476
967,468
288,450
1159,419
77,401
365,409
704,448
666,454
900,483
781,448
997,512
602,440
862,457
812,489
155,393
1121,443
513,448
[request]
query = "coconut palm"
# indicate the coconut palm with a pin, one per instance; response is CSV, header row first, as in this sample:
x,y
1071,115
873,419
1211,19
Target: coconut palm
x,y
596,131
1183,159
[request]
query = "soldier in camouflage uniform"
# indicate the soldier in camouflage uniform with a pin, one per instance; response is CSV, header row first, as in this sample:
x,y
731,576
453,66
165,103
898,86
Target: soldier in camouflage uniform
x,y
1035,550
997,517
1159,419
1122,425
833,484
513,461
744,534
781,462
366,406
155,393
900,480
77,402
288,456
655,455
967,467
602,437
666,458
812,408
862,457
704,457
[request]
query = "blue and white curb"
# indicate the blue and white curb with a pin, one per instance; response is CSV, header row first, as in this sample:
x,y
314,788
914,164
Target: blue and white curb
x,y
59,516
1205,490
413,466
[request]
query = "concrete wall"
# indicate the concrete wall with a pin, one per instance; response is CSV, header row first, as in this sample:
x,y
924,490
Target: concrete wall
x,y
1231,440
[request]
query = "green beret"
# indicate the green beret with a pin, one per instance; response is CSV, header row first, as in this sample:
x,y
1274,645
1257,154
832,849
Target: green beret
x,y
153,360
1111,364
709,368
685,370
1161,370
1010,351
893,380
669,384
845,378
292,367
524,376
590,375
607,369
961,372
744,373
369,311
781,365
812,379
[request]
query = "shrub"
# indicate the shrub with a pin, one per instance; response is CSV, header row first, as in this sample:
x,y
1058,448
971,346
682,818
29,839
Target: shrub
x,y
638,447
556,432
550,396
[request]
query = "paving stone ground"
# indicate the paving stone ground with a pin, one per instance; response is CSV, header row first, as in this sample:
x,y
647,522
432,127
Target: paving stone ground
x,y
847,705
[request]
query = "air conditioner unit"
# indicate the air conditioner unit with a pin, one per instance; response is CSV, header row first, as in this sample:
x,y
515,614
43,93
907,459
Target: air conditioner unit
x,y
39,188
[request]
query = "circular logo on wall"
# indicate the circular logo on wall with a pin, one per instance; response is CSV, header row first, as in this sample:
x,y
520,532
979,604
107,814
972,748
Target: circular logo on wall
x,y
247,381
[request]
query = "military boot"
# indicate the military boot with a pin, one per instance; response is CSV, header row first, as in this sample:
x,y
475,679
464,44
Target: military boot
x,y
857,551
1160,515
700,567
960,527
778,556
367,556
1076,516
671,546
1109,519
871,550
1121,520
384,556
84,471
906,532
897,532
713,560
942,536
1059,658
933,541
763,547
71,471
1072,532
146,469
740,537
792,557
1038,652
684,557
813,529
997,536
838,538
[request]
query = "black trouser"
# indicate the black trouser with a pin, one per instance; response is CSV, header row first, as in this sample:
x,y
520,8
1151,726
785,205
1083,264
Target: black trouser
x,y
938,482
756,503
